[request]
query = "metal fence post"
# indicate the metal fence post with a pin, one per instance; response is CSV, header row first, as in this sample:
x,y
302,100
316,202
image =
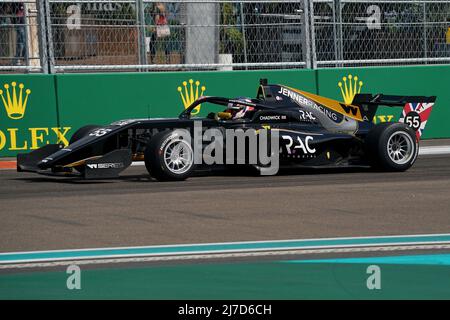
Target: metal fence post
x,y
140,21
313,35
340,32
335,36
49,35
425,53
243,34
27,35
306,36
42,34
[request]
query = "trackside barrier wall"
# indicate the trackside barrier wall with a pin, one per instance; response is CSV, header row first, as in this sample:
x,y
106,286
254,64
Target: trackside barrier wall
x,y
59,104
104,98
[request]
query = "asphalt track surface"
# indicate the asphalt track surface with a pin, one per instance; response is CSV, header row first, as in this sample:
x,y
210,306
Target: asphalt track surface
x,y
45,213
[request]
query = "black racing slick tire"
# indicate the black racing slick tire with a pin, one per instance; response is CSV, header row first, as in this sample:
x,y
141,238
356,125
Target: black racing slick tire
x,y
392,146
169,157
82,132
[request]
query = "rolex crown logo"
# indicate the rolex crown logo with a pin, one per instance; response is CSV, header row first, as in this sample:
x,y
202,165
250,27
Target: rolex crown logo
x,y
350,88
191,94
15,102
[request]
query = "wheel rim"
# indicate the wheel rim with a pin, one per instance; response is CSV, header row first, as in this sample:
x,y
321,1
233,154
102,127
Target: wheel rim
x,y
178,156
400,147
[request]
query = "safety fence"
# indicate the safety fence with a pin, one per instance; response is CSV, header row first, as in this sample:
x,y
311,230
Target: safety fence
x,y
362,32
19,36
36,109
53,36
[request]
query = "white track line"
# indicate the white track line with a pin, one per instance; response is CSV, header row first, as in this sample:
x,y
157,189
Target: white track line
x,y
434,150
223,256
228,251
214,252
389,236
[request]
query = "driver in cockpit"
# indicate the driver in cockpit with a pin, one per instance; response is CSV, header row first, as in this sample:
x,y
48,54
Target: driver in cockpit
x,y
236,111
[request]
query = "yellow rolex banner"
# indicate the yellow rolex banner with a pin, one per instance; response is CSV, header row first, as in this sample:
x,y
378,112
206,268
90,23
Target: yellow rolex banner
x,y
190,95
28,114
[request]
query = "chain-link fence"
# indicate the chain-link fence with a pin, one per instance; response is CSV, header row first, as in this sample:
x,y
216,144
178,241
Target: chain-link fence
x,y
369,32
19,41
92,33
177,35
149,35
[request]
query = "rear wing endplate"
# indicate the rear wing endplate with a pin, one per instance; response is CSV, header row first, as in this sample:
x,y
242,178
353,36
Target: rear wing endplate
x,y
416,109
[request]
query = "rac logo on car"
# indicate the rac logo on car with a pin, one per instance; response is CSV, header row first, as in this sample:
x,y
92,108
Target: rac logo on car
x,y
16,98
189,94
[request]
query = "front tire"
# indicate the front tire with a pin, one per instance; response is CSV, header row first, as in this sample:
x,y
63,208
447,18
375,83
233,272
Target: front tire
x,y
82,132
169,157
79,134
392,146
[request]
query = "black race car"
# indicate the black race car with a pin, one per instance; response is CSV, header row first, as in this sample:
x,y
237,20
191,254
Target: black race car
x,y
311,131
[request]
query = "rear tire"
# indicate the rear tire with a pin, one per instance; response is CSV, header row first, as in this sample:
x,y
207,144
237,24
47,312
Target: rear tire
x,y
168,157
392,146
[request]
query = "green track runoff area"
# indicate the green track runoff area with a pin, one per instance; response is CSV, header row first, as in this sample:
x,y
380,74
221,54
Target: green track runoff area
x,y
217,271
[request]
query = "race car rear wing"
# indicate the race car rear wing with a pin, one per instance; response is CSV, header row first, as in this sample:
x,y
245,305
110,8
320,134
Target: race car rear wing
x,y
416,109
389,100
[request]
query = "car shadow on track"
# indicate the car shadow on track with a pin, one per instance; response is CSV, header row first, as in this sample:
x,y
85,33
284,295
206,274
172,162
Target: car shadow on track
x,y
79,180
59,180
240,172
297,171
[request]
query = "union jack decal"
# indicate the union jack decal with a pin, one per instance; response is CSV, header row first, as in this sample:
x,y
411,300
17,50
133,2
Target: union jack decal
x,y
416,116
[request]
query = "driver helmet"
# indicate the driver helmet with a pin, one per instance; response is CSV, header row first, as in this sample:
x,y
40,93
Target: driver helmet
x,y
238,110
